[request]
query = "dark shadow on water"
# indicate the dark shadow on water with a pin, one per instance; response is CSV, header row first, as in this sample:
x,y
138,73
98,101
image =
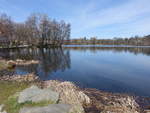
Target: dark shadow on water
x,y
51,59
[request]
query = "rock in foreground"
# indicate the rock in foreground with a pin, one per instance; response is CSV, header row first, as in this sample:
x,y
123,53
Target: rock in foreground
x,y
1,109
53,108
80,100
35,94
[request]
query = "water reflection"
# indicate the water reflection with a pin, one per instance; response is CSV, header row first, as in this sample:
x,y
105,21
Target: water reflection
x,y
135,50
51,59
115,69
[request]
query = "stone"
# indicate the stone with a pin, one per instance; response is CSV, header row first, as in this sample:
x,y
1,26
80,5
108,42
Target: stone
x,y
3,112
1,108
35,94
53,108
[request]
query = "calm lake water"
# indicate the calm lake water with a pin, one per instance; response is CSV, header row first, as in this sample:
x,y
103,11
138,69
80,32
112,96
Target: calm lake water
x,y
114,69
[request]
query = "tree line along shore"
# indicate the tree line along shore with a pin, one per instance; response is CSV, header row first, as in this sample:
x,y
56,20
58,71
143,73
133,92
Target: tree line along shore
x,y
135,41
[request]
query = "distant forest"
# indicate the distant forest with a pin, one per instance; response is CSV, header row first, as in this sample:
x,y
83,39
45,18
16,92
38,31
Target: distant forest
x,y
38,30
137,41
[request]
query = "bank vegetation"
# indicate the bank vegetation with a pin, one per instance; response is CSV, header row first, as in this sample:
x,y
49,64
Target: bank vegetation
x,y
136,41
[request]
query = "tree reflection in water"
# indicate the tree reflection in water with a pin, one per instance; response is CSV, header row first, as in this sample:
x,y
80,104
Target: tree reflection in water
x,y
135,50
51,59
57,59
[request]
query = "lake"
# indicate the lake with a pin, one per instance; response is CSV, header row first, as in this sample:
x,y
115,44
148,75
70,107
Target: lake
x,y
121,69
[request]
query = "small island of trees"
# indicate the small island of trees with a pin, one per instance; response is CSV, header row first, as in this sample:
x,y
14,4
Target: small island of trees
x,y
37,30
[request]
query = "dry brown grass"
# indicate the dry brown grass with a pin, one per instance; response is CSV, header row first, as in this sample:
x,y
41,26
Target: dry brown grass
x,y
69,93
20,78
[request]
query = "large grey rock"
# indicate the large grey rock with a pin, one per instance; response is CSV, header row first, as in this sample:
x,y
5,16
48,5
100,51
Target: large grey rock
x,y
36,94
53,108
1,108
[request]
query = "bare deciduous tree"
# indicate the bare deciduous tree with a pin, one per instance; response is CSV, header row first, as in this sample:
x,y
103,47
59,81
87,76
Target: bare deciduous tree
x,y
38,30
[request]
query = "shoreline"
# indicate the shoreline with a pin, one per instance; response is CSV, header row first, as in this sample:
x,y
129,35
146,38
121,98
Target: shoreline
x,y
77,45
99,100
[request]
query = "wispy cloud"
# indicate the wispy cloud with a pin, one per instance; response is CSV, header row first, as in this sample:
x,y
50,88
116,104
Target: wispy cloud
x,y
89,18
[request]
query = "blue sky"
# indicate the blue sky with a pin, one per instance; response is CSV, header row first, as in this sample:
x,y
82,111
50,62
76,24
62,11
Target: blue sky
x,y
101,18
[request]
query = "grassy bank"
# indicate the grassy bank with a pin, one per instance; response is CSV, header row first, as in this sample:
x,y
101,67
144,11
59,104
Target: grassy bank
x,y
8,89
8,96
